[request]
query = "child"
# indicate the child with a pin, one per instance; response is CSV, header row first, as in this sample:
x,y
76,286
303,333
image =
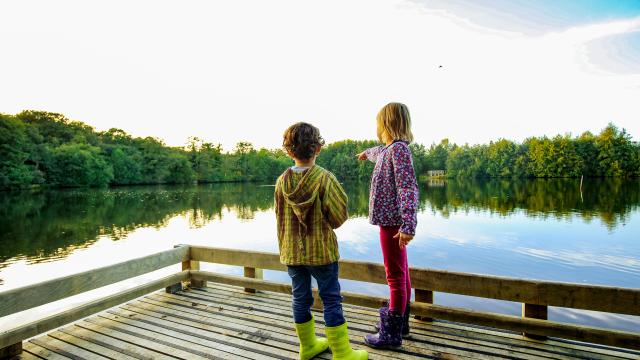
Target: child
x,y
393,203
310,203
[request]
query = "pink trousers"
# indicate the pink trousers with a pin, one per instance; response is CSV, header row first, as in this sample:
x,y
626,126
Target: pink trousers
x,y
397,269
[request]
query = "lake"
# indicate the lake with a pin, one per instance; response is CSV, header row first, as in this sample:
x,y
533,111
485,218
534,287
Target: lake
x,y
535,229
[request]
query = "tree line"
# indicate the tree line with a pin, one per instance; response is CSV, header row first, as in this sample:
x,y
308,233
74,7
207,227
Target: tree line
x,y
612,153
43,148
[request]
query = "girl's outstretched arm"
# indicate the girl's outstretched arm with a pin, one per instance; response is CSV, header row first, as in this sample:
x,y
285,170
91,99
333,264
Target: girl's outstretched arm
x,y
370,154
407,187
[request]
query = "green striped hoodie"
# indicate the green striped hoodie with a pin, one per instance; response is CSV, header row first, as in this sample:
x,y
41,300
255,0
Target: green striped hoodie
x,y
309,205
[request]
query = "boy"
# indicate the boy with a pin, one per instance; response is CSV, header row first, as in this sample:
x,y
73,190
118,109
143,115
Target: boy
x,y
309,204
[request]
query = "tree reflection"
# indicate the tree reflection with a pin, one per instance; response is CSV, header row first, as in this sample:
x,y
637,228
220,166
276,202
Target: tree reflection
x,y
43,225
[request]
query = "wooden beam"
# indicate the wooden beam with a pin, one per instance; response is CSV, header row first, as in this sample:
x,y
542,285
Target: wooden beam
x,y
538,327
257,259
535,312
531,326
26,331
10,351
27,297
424,296
577,296
253,273
241,281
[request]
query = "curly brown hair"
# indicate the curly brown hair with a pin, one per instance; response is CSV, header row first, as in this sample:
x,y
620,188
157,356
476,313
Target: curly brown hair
x,y
302,140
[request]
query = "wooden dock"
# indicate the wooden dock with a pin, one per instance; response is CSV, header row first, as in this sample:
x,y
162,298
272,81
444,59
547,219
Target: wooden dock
x,y
201,314
225,322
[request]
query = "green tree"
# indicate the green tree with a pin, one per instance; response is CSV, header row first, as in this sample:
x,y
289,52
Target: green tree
x,y
80,165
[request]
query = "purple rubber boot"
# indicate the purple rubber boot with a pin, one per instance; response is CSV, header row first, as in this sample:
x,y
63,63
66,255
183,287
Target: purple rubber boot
x,y
390,334
405,320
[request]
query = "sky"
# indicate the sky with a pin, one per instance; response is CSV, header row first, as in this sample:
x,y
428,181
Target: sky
x,y
230,71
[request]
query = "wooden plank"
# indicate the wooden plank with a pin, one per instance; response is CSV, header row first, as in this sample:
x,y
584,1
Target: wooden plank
x,y
265,346
281,317
238,319
16,300
580,350
435,333
65,349
126,348
160,350
571,295
89,346
249,323
532,326
26,356
51,322
241,281
262,260
246,303
362,314
220,340
589,334
242,323
576,296
41,352
119,320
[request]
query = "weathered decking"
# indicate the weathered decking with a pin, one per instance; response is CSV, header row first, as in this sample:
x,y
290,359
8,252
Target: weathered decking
x,y
225,322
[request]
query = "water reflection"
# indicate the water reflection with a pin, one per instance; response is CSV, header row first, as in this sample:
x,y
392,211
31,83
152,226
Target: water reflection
x,y
610,200
43,225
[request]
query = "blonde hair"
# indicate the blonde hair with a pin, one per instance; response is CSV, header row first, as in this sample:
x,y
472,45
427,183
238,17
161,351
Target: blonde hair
x,y
394,121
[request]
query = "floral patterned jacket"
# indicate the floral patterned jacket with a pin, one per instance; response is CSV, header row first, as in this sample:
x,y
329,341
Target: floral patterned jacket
x,y
393,197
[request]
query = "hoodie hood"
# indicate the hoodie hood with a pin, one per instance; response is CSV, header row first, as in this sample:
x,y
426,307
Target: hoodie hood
x,y
300,191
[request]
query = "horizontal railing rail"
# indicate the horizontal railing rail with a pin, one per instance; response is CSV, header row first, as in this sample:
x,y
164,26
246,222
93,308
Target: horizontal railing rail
x,y
549,293
27,297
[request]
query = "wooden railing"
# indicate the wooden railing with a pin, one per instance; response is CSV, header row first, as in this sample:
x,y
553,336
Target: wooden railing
x,y
16,300
535,296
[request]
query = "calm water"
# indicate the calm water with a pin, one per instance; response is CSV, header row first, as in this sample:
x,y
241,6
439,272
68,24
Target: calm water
x,y
538,229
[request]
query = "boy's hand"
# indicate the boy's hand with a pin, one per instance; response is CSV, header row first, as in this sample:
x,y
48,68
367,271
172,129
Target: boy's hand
x,y
362,156
403,239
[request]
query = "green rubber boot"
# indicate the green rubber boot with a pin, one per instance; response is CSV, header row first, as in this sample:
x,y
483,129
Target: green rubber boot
x,y
310,345
339,344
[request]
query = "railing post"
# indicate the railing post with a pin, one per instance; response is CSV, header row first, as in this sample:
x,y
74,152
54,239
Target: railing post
x,y
424,296
187,265
253,273
194,265
11,351
535,312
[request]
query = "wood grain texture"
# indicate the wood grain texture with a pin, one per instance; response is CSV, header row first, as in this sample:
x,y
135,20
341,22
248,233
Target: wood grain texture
x,y
51,322
27,297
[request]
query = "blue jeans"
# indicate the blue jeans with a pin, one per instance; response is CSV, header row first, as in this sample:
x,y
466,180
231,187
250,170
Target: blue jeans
x,y
328,287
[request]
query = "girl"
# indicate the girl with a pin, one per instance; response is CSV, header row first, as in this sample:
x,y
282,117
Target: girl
x,y
393,203
310,203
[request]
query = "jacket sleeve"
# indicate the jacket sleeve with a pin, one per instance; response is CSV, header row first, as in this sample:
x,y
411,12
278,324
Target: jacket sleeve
x,y
334,203
407,187
372,153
